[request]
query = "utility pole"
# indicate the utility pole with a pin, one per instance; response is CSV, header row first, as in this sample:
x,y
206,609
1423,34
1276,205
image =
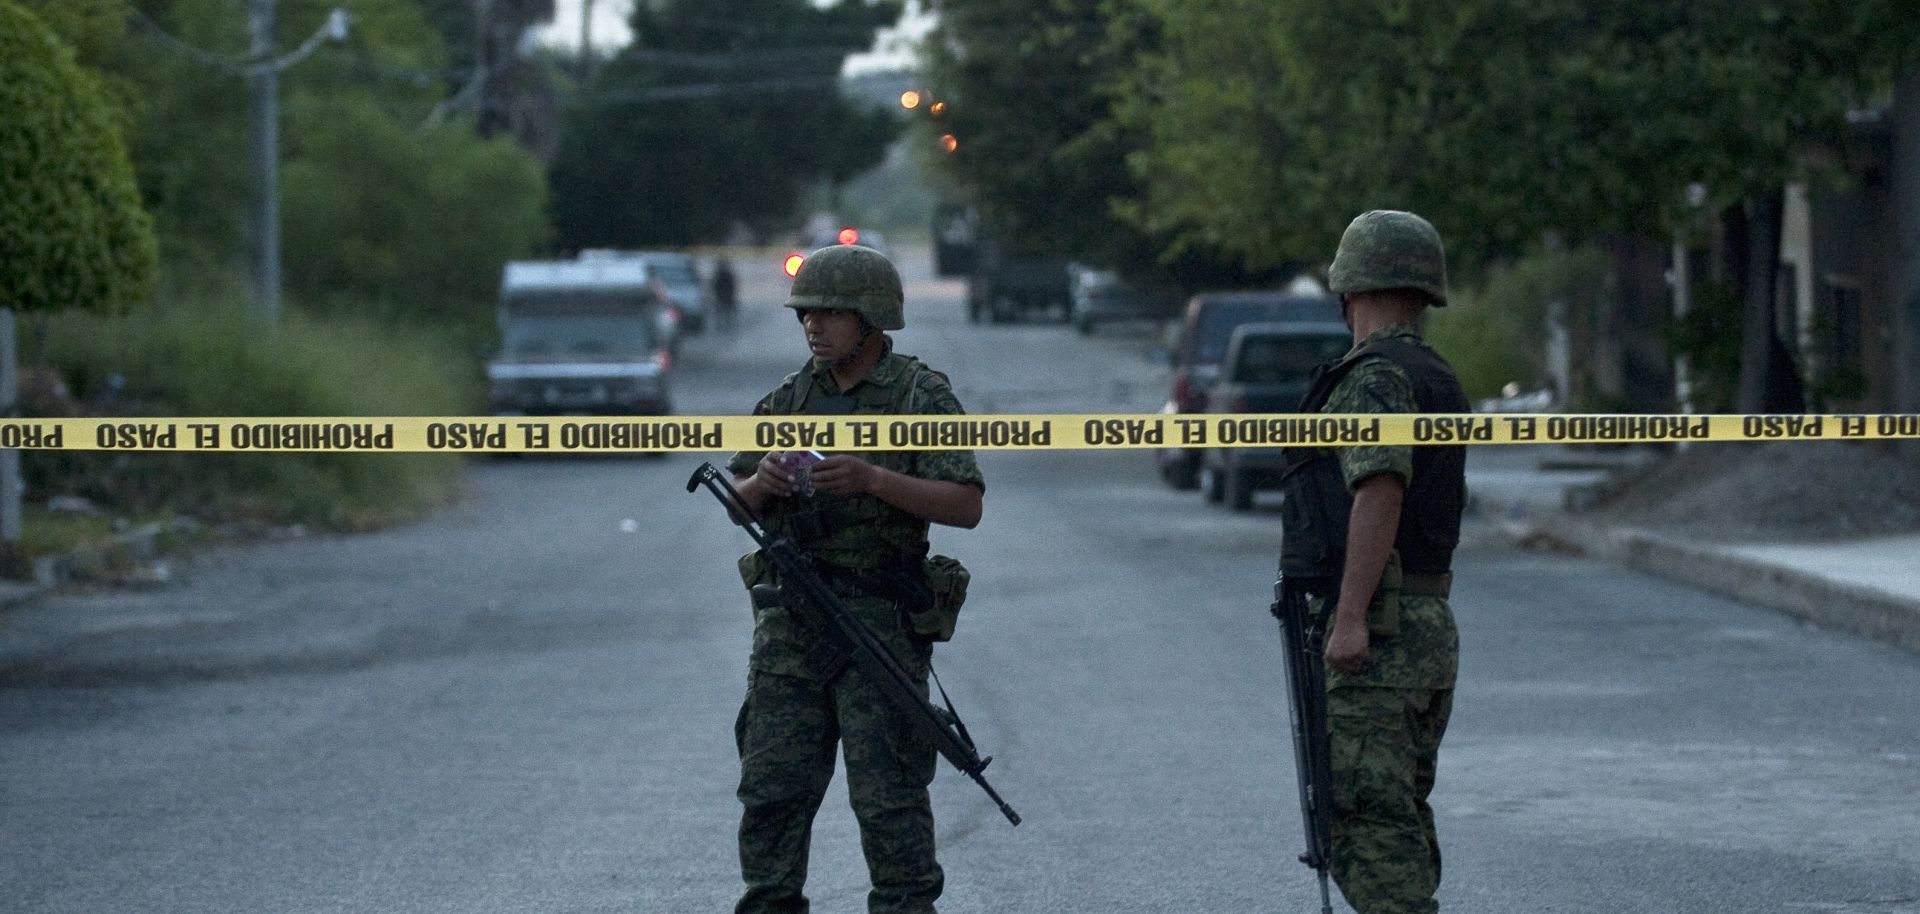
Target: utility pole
x,y
264,77
261,69
586,39
11,487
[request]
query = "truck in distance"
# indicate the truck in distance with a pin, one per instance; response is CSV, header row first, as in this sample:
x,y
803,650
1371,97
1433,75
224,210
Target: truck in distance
x,y
581,337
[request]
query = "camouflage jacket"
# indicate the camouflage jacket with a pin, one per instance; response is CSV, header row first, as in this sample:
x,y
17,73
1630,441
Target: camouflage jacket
x,y
855,532
1424,654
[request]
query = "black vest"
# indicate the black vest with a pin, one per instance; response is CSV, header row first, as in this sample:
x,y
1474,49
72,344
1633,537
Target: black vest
x,y
1318,505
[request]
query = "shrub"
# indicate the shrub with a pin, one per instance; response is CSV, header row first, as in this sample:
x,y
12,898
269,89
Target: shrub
x,y
72,229
1497,333
210,361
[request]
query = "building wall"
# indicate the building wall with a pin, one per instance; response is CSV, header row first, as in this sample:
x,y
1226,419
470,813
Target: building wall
x,y
1903,280
1852,330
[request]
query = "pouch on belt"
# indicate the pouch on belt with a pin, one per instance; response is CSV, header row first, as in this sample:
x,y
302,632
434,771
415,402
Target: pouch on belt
x,y
936,618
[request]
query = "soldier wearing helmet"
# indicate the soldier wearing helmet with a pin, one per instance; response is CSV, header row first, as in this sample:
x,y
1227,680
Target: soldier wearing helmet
x,y
864,519
1390,523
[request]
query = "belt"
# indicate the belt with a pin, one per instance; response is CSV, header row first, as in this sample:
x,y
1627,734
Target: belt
x,y
1427,585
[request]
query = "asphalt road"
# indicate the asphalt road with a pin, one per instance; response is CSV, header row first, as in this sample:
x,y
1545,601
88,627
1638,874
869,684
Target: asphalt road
x,y
525,703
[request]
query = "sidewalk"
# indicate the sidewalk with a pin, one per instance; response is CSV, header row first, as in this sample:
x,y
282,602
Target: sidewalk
x,y
1867,586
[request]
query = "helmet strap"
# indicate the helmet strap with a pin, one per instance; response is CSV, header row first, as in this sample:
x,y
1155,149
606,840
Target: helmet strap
x,y
870,339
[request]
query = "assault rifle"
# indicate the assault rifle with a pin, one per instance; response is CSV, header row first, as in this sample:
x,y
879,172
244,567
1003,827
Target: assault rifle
x,y
1312,756
942,727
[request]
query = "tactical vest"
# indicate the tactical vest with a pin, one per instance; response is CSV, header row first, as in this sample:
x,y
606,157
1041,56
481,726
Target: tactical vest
x,y
862,531
1318,505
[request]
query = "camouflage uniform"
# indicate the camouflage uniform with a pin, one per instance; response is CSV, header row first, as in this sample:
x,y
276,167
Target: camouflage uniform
x,y
1386,720
795,711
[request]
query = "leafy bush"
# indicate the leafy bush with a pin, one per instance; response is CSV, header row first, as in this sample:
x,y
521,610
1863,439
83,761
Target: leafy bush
x,y
72,229
402,223
210,361
1497,333
1709,336
1477,340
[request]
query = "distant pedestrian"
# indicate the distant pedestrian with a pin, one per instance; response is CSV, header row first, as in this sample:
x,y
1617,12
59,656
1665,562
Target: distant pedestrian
x,y
726,294
863,519
1391,646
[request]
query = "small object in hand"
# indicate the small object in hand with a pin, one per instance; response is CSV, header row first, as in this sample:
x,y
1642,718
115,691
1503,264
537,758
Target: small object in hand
x,y
799,464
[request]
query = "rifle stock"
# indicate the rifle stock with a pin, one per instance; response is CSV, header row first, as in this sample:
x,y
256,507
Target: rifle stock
x,y
1307,708
939,726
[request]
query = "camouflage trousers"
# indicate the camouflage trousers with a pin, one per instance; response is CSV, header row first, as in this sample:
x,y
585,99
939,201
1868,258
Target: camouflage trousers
x,y
1385,744
786,734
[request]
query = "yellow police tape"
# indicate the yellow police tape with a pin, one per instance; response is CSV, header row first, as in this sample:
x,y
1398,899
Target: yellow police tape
x,y
576,434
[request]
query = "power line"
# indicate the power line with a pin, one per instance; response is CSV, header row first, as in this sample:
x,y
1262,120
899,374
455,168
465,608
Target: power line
x,y
334,28
688,91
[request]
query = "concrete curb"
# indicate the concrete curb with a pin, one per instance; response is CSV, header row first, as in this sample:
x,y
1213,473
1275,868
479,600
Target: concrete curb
x,y
1866,611
129,557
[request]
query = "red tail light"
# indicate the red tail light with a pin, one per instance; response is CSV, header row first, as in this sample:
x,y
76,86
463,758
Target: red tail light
x,y
1182,391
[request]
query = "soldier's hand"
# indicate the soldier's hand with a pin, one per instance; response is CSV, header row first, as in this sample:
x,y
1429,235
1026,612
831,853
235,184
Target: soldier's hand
x,y
1347,646
774,478
843,474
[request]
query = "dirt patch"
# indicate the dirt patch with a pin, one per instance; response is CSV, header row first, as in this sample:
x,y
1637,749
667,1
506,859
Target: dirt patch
x,y
1730,492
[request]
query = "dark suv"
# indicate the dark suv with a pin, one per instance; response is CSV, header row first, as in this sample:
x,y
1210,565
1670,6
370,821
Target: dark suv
x,y
1268,368
1007,286
1203,337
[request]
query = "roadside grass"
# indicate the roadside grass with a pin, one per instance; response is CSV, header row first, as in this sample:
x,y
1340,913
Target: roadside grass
x,y
208,359
44,532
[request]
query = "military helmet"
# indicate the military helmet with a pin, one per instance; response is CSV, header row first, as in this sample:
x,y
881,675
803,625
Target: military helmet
x,y
854,278
1390,249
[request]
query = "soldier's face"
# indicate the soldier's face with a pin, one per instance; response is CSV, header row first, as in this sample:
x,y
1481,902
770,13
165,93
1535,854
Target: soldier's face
x,y
832,333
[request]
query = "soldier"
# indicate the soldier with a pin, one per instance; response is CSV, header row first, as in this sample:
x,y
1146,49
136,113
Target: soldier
x,y
1392,649
726,293
865,525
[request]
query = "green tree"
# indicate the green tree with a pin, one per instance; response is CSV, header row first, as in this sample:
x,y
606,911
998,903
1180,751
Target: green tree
x,y
389,207
484,42
190,110
719,112
405,223
73,233
1025,92
1272,122
1031,91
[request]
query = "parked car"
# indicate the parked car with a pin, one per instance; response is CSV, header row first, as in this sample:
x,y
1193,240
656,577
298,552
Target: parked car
x,y
580,337
1009,286
1267,369
1202,341
672,313
1100,296
679,278
955,228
